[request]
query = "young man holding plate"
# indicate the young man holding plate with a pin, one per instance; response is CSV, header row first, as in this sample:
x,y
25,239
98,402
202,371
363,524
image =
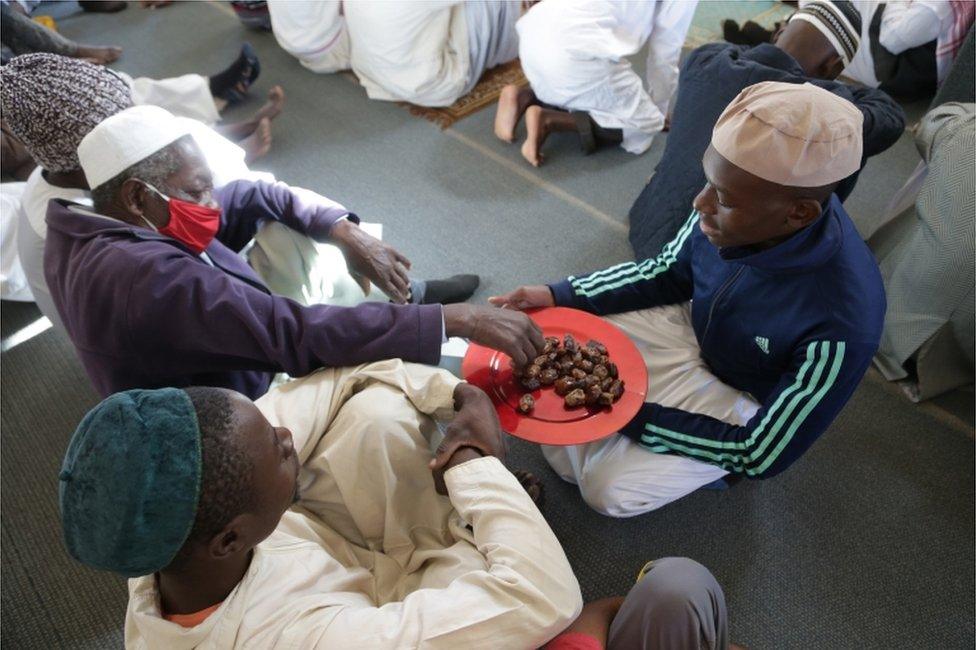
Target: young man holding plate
x,y
756,322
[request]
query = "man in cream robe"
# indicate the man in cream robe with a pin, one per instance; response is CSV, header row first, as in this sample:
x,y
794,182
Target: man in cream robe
x,y
371,556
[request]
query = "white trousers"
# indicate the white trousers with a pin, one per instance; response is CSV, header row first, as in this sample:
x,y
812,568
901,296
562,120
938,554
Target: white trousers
x,y
619,478
311,273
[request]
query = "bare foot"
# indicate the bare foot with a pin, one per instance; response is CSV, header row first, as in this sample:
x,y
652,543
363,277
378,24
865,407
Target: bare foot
x,y
98,55
532,485
270,110
535,135
258,143
511,105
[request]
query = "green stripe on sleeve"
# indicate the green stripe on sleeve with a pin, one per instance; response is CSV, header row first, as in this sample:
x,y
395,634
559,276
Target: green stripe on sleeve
x,y
638,275
812,404
818,355
717,444
597,282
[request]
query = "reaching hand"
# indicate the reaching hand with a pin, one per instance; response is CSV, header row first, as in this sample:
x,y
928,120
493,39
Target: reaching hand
x,y
525,297
475,431
505,330
369,259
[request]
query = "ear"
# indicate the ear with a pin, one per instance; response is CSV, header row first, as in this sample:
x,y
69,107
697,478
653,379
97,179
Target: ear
x,y
133,197
832,67
803,213
234,539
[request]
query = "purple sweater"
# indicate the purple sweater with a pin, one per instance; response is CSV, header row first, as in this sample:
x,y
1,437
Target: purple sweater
x,y
145,312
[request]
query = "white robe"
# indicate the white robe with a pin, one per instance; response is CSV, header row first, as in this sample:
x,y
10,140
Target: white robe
x,y
904,25
313,31
428,52
184,96
574,54
13,280
371,557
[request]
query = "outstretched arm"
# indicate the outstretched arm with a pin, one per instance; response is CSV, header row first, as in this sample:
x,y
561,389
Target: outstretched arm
x,y
804,403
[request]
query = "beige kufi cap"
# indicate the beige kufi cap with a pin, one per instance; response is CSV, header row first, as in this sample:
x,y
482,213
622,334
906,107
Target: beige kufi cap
x,y
797,135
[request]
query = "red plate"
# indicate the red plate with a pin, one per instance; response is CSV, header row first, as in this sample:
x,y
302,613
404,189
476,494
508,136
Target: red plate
x,y
551,423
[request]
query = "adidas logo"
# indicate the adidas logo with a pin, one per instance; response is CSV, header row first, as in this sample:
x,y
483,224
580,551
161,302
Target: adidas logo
x,y
763,344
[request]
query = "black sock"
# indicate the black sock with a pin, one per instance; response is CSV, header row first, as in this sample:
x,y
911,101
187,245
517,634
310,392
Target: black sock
x,y
243,70
456,288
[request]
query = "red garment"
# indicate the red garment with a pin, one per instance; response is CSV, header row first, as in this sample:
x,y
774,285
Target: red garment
x,y
574,641
963,13
193,619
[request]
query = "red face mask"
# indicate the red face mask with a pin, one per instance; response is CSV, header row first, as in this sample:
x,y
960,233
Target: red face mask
x,y
192,224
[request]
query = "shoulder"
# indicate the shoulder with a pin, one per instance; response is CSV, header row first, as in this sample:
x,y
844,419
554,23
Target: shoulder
x,y
852,290
709,53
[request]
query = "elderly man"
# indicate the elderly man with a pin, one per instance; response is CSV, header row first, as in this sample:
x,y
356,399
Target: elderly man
x,y
152,292
574,56
50,103
814,47
787,306
312,519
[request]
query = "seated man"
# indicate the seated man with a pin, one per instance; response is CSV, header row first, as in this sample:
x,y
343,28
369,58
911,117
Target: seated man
x,y
152,291
814,47
50,103
312,519
787,306
428,53
573,54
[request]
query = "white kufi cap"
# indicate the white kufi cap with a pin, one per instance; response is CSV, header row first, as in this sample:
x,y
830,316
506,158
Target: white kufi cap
x,y
128,137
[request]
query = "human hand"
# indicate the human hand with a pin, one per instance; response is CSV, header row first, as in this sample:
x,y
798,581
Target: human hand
x,y
506,330
369,259
525,297
152,4
474,432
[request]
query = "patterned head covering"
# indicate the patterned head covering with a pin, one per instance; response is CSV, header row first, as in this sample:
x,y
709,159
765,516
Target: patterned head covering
x,y
51,102
838,21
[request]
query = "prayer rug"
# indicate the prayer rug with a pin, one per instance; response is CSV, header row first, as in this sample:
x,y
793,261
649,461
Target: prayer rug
x,y
485,93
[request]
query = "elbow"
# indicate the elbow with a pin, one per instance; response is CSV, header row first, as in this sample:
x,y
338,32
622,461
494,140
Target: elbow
x,y
565,602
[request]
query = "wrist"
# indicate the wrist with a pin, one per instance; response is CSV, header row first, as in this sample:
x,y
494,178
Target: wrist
x,y
463,393
463,455
341,230
457,320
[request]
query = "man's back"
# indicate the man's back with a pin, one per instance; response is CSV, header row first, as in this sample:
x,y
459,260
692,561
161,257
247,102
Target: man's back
x,y
711,77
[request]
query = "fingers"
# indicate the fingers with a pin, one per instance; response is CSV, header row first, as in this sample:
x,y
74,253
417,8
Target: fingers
x,y
402,259
536,337
444,451
518,353
502,300
400,283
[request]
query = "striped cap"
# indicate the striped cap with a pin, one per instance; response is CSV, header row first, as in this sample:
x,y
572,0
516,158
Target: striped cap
x,y
838,21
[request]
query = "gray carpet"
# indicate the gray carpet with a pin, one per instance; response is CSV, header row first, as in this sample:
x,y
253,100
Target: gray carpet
x,y
866,543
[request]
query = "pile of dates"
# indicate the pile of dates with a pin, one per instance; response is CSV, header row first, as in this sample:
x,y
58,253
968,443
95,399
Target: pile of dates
x,y
582,375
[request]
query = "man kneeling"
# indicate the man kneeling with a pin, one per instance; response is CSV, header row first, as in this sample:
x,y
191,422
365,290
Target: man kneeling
x,y
767,292
195,495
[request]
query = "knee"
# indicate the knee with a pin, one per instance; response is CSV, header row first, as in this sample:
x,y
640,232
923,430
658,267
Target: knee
x,y
678,587
613,495
606,493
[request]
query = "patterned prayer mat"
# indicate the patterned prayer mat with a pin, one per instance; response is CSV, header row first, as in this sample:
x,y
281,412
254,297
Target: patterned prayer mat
x,y
485,93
